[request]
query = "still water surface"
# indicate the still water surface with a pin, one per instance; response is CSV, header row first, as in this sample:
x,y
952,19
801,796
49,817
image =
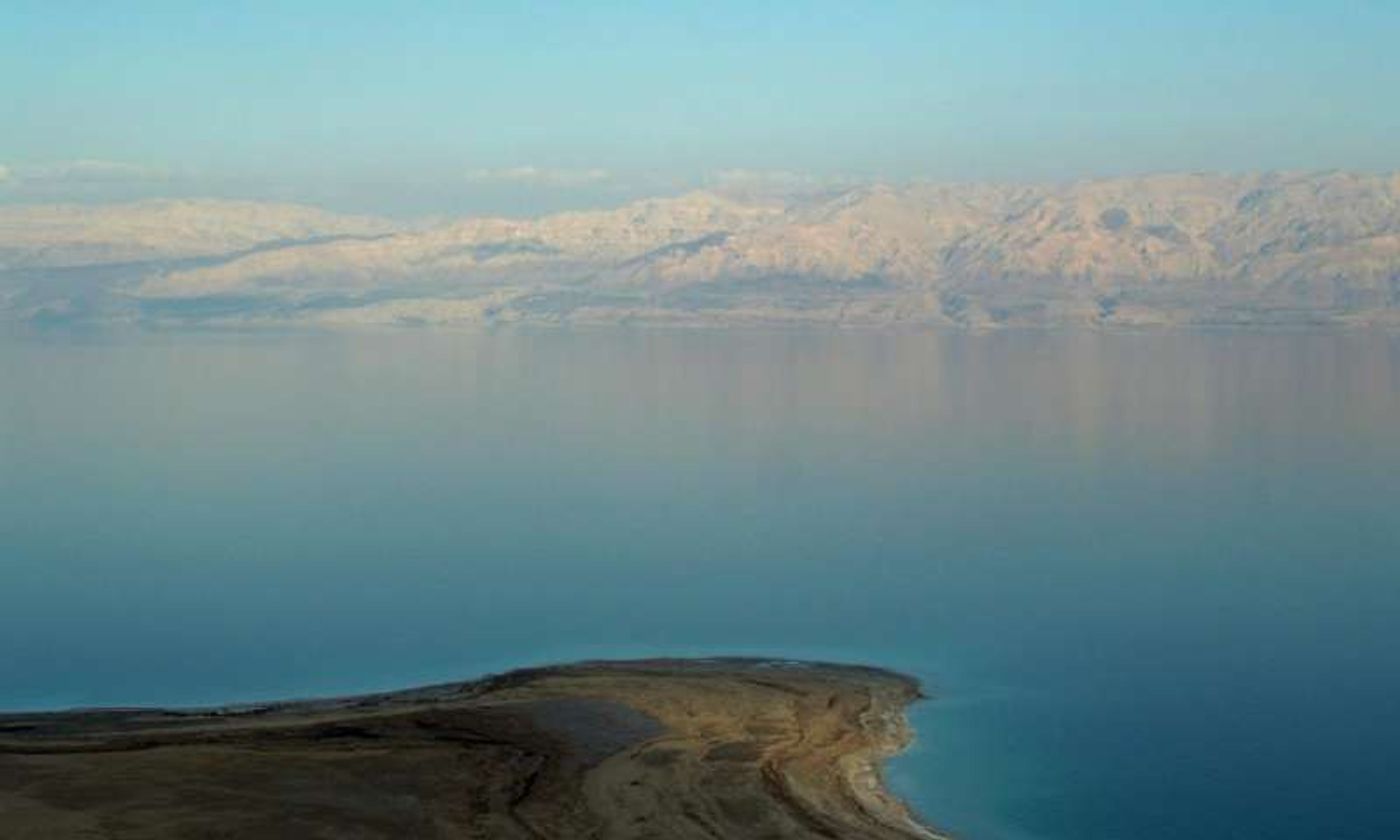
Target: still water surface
x,y
1153,580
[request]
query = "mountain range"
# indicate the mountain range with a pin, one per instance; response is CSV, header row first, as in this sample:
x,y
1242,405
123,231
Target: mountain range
x,y
1167,250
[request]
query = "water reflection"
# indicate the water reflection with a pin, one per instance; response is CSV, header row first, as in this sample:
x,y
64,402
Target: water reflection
x,y
1099,548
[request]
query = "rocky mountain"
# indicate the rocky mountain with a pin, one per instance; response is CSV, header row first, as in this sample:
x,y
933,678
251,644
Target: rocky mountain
x,y
1277,248
68,235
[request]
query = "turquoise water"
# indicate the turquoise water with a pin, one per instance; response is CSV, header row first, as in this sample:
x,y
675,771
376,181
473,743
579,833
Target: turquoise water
x,y
1153,580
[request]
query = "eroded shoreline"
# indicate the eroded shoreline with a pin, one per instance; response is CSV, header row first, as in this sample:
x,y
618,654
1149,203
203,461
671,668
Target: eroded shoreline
x,y
707,748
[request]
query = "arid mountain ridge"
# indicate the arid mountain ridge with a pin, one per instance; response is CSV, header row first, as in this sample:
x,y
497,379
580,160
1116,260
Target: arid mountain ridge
x,y
1167,250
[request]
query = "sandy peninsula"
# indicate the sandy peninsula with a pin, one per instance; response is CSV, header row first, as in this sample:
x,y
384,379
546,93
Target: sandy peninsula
x,y
714,748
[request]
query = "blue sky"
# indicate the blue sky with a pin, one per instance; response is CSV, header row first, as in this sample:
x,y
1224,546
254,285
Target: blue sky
x,y
440,107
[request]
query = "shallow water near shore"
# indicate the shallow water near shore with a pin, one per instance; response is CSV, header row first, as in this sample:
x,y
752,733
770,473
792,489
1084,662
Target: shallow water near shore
x,y
1151,580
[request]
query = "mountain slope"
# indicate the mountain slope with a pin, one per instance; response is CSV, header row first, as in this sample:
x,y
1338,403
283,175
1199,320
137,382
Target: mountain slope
x,y
1275,248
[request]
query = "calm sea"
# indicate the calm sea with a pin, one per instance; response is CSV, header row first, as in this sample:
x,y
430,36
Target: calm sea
x,y
1152,580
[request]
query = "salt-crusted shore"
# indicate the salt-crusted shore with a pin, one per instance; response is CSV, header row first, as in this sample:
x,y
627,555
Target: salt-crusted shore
x,y
713,748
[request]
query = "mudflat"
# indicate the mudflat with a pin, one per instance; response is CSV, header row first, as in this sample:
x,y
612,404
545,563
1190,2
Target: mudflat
x,y
712,748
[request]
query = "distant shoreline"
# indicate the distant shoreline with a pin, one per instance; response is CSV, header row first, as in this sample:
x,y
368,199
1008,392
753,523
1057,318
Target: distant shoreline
x,y
649,748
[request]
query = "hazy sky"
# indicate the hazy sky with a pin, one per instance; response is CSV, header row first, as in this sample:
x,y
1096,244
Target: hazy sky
x,y
460,106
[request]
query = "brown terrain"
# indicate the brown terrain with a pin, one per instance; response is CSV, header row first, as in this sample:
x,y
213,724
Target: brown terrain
x,y
1187,250
720,748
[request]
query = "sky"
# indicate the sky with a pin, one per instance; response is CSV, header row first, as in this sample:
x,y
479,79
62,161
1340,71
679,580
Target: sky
x,y
459,107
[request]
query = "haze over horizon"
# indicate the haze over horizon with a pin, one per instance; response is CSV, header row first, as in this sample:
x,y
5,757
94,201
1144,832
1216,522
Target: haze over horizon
x,y
490,109
768,360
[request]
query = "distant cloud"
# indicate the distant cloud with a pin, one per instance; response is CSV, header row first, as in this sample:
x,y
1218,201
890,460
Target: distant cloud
x,y
770,177
773,181
89,171
540,176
